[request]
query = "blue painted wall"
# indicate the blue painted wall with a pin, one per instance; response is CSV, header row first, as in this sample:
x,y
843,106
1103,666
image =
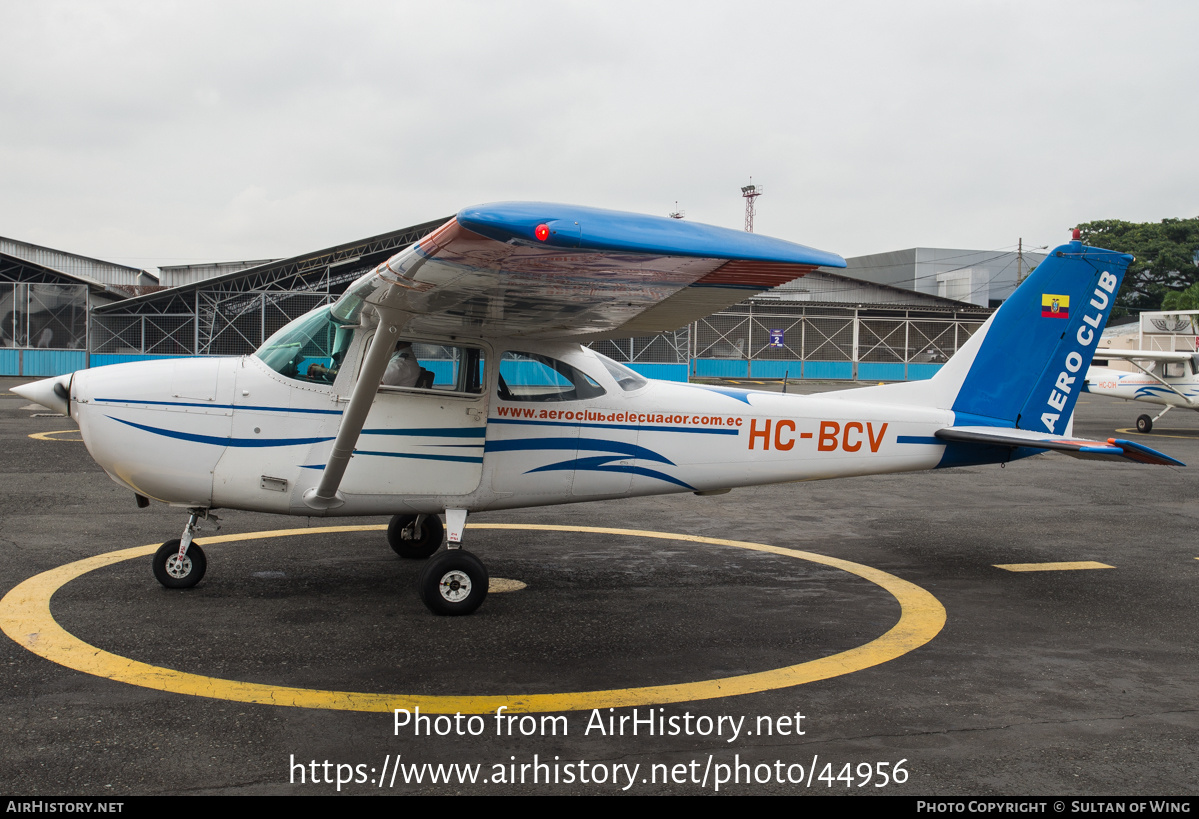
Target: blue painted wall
x,y
880,371
919,372
10,361
815,370
775,369
836,370
101,359
41,362
721,368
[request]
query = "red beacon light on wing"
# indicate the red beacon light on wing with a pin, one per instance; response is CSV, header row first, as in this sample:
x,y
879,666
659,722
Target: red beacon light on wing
x,y
542,232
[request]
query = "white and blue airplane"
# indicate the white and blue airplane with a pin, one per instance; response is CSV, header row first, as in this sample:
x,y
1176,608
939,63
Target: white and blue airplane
x,y
508,410
1167,379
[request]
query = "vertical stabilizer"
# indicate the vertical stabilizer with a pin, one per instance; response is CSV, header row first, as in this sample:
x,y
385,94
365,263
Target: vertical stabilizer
x,y
1028,368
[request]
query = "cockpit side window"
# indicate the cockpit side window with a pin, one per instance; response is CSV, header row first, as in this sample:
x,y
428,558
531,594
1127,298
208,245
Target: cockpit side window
x,y
532,377
310,348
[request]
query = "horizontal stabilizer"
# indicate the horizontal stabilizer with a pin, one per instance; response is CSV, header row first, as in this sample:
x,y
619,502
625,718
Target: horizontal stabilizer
x,y
1144,355
1113,449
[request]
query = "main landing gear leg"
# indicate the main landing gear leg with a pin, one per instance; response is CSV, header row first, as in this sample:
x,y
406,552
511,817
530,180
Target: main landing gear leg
x,y
179,563
453,582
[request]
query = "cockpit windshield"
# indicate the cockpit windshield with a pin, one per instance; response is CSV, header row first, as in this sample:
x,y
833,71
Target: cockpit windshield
x,y
348,308
310,348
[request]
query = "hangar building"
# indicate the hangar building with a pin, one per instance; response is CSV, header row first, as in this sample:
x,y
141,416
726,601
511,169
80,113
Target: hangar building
x,y
981,277
66,312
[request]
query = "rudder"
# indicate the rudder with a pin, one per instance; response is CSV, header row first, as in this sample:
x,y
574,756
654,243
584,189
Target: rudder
x,y
1029,368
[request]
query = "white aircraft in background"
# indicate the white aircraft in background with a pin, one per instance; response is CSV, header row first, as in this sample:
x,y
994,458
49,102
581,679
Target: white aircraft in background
x,y
1168,379
508,410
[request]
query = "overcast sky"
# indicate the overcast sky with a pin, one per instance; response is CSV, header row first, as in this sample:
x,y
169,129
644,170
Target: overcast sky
x,y
155,133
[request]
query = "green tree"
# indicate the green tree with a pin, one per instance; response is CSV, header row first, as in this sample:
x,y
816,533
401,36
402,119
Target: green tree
x,y
1184,300
1165,258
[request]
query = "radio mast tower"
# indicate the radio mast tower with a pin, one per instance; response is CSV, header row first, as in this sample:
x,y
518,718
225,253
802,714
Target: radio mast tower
x,y
750,192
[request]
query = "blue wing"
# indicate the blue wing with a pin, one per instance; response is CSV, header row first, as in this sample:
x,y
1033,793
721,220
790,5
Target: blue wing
x,y
555,271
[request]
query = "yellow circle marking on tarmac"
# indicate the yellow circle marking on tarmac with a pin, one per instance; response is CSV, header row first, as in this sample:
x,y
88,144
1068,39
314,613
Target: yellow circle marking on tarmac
x,y
25,617
47,436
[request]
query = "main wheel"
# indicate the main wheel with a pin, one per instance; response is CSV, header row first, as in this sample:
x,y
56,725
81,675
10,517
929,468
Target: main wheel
x,y
174,573
427,541
1144,423
453,582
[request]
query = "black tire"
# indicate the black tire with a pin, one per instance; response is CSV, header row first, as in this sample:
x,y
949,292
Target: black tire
x,y
1144,424
169,573
453,582
428,542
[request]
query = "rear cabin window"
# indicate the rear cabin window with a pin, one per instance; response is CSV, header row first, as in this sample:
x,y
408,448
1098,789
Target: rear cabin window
x,y
625,378
532,377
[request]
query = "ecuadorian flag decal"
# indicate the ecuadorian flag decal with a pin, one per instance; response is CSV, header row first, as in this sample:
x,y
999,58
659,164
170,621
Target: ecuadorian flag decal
x,y
1054,306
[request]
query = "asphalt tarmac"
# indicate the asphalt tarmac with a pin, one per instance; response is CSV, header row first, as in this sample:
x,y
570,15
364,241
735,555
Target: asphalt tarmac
x,y
1064,682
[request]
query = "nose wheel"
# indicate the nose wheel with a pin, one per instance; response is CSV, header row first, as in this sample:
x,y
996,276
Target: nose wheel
x,y
179,563
176,571
453,582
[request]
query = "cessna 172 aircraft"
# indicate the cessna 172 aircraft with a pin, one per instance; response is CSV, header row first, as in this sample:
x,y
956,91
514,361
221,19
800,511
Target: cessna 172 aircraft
x,y
1177,385
507,410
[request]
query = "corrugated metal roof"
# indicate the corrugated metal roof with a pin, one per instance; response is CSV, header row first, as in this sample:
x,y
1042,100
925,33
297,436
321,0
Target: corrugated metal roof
x,y
81,267
824,285
175,275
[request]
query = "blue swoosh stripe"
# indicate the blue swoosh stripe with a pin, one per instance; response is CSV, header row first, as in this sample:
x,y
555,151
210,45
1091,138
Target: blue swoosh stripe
x,y
226,441
422,457
601,465
591,444
1154,390
445,432
918,439
210,405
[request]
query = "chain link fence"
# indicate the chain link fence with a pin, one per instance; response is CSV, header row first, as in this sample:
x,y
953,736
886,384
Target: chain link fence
x,y
223,324
771,340
827,341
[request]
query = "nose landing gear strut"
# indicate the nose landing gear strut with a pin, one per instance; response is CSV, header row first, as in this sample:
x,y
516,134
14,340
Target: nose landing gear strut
x,y
179,563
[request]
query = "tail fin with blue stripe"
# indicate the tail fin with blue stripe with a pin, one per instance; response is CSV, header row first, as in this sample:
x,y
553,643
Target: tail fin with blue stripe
x,y
1028,367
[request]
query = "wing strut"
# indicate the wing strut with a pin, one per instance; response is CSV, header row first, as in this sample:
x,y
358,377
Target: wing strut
x,y
325,494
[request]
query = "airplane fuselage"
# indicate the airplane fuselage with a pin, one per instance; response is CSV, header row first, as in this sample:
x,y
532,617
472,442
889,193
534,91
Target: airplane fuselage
x,y
1176,391
234,433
